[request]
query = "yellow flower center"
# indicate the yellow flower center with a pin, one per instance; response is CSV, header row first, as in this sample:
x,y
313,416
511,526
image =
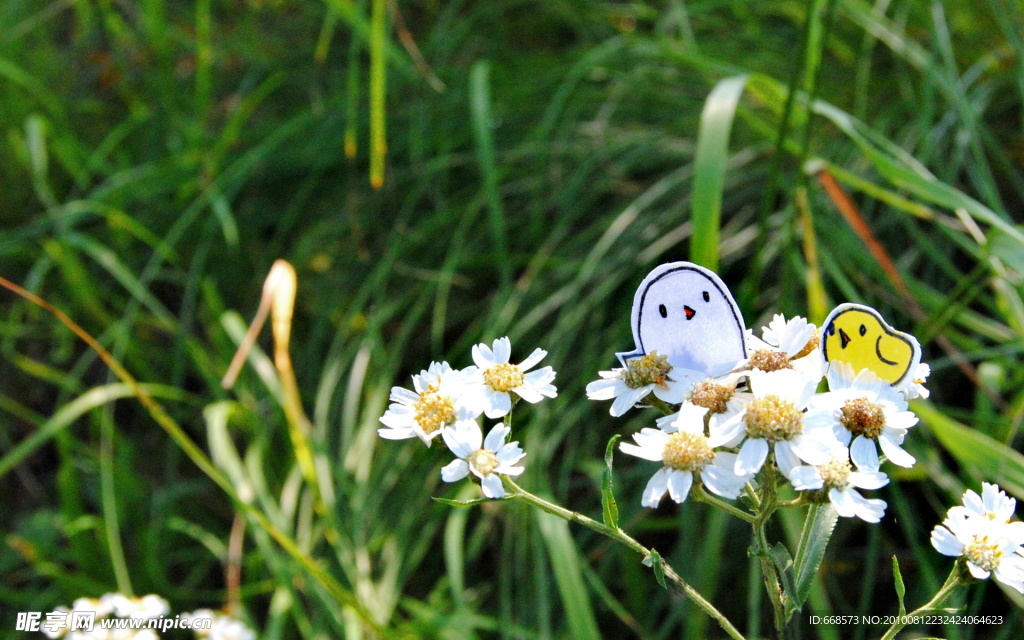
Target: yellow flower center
x,y
863,418
687,451
433,410
773,418
768,360
484,461
649,369
712,396
983,552
504,377
836,472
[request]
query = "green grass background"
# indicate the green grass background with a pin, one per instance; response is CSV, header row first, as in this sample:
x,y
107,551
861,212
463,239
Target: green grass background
x,y
538,158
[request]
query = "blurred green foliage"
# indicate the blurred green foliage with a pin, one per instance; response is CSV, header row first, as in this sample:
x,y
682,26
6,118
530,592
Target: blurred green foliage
x,y
156,157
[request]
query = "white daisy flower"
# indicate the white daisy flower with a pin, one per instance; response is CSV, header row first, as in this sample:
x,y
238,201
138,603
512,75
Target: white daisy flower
x,y
993,505
486,459
775,419
914,386
102,606
442,397
684,451
864,410
150,606
642,376
984,545
842,482
500,378
787,344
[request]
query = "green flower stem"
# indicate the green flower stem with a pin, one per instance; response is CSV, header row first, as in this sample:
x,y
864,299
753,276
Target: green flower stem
x,y
701,495
660,405
769,572
954,581
795,502
620,536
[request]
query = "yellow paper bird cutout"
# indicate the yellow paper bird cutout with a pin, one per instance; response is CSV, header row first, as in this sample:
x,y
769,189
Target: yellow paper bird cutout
x,y
857,335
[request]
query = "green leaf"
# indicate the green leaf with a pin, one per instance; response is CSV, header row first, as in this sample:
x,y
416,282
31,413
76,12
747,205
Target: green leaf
x,y
1008,248
972,448
905,172
709,168
901,589
655,562
609,508
480,110
780,557
818,527
565,563
73,410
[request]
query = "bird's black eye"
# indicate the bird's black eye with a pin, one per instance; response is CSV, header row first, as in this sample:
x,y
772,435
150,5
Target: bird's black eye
x,y
863,329
707,298
663,311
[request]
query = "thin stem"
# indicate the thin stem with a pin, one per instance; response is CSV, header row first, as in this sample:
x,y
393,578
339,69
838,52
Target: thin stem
x,y
953,582
620,536
769,572
795,502
700,494
661,405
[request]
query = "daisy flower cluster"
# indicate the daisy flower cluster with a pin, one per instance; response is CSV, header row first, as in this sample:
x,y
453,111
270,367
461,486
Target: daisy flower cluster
x,y
106,612
723,428
58,623
981,532
449,403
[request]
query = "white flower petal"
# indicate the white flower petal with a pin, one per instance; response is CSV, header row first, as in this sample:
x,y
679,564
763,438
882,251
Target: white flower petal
x,y
894,453
492,487
533,359
463,439
946,543
786,458
844,502
977,571
806,478
605,389
679,483
870,509
496,404
510,453
727,433
625,402
403,396
496,437
656,488
502,349
864,453
811,449
396,434
718,478
868,479
1011,573
751,457
455,470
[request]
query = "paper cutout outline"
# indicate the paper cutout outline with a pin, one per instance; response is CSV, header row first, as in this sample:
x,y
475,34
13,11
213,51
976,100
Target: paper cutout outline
x,y
662,271
828,329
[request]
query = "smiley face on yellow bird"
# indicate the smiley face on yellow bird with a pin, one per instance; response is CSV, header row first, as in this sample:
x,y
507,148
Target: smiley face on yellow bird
x,y
857,335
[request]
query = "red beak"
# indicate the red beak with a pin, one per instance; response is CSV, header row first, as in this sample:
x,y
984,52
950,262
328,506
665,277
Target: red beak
x,y
689,312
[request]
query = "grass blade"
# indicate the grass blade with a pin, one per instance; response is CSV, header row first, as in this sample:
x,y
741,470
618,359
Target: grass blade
x,y
565,561
709,168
